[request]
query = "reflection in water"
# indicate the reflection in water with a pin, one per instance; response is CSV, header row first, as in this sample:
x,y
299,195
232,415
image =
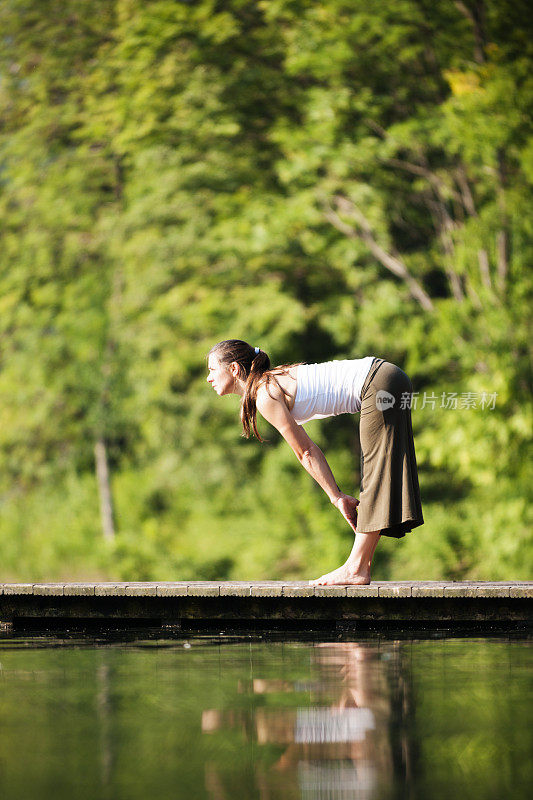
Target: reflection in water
x,y
104,711
344,738
266,720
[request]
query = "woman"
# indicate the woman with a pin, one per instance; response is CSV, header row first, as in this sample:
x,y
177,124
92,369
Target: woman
x,y
290,395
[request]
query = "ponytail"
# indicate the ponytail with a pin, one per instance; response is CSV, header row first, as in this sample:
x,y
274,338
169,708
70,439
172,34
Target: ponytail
x,y
260,364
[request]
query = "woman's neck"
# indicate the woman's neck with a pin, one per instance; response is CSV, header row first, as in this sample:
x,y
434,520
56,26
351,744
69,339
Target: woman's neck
x,y
238,387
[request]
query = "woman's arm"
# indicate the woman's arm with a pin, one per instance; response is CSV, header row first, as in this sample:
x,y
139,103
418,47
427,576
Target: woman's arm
x,y
309,454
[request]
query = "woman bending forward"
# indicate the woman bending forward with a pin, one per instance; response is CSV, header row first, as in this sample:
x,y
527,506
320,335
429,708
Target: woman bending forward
x,y
290,395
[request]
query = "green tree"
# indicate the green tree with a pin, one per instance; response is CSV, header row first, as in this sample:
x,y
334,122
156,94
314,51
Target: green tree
x,y
325,181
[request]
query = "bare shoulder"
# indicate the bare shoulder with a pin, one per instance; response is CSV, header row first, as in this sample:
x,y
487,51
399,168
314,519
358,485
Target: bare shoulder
x,y
269,392
272,404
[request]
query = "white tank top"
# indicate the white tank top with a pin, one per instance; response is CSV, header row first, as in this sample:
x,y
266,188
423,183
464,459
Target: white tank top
x,y
325,390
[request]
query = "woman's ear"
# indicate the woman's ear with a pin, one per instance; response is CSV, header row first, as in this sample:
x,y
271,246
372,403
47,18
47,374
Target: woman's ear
x,y
234,369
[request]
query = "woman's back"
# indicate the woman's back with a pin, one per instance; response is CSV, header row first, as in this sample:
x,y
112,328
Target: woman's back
x,y
315,391
328,389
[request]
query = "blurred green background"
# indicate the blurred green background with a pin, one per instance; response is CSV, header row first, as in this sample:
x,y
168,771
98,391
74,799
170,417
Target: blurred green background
x,y
325,180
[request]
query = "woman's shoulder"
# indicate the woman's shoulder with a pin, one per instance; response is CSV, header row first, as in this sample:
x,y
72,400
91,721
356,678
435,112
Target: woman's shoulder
x,y
287,371
269,387
278,384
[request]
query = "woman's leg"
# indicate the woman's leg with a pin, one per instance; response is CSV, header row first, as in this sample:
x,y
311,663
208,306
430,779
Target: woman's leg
x,y
356,569
373,550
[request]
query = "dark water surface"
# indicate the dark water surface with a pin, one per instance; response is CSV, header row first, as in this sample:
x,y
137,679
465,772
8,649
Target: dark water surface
x,y
230,719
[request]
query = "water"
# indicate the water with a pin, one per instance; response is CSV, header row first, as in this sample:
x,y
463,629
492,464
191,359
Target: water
x,y
365,719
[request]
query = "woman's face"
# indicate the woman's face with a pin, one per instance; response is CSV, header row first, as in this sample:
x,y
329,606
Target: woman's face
x,y
219,376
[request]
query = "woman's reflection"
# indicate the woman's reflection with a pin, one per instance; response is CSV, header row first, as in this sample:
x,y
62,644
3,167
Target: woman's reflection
x,y
341,742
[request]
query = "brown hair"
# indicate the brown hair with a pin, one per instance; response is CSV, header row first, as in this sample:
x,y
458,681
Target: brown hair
x,y
252,367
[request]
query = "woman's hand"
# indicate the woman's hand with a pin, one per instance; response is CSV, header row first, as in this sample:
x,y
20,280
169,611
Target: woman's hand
x,y
347,505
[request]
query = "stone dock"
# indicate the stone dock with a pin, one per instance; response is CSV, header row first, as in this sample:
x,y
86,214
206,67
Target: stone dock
x,y
243,605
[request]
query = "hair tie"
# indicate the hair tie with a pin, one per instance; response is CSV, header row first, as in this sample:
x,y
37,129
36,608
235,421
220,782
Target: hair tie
x,y
256,350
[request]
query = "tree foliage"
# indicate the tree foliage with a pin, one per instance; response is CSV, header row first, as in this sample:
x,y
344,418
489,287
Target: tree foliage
x,y
325,180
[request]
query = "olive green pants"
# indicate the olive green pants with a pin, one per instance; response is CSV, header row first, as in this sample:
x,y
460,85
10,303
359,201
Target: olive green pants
x,y
390,495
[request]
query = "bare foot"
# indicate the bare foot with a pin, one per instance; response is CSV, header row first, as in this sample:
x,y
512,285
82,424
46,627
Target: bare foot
x,y
342,576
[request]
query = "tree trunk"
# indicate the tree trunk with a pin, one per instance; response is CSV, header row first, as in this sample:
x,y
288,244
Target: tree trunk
x,y
476,15
502,253
484,268
502,237
104,489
